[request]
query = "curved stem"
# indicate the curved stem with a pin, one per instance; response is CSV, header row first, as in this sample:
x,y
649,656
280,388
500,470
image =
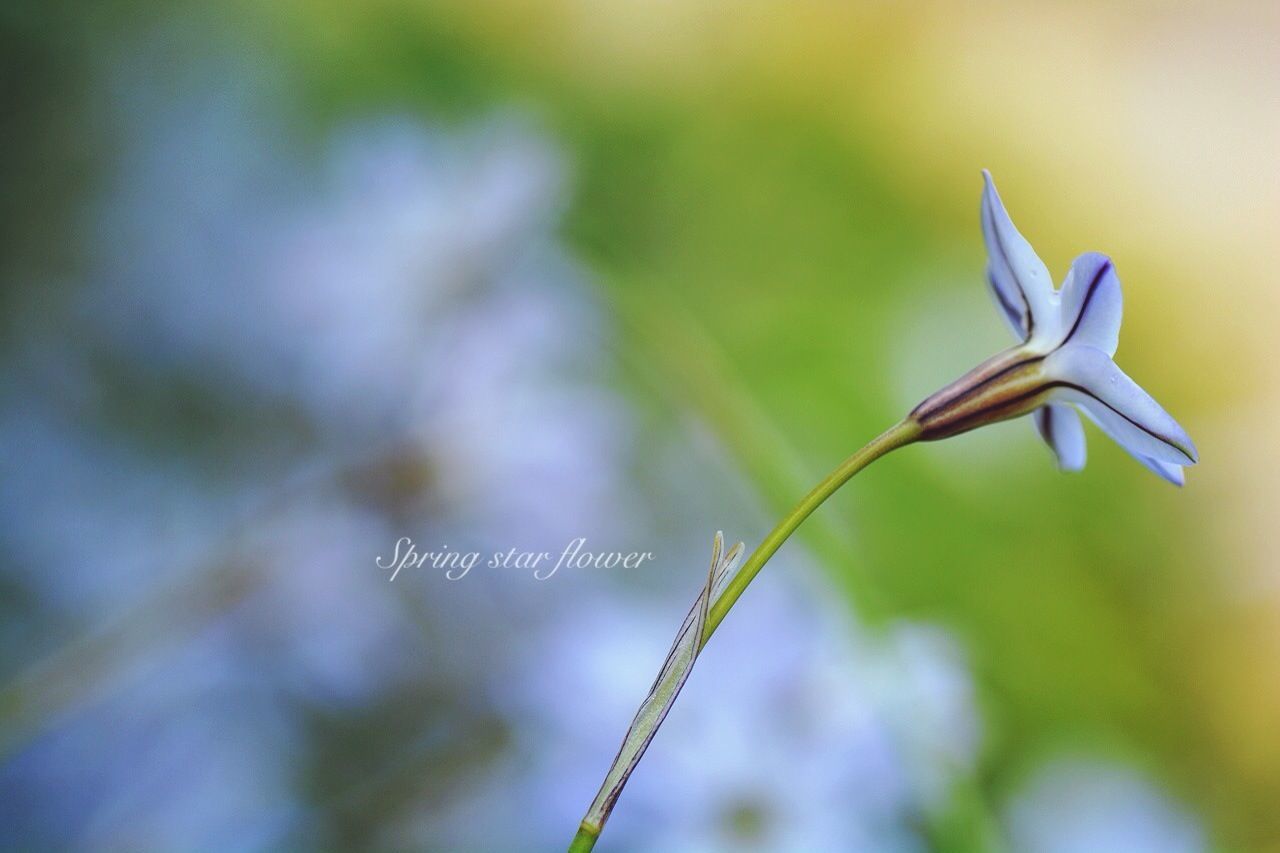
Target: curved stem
x,y
901,434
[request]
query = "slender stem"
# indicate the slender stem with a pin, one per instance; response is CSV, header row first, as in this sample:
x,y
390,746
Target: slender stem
x,y
897,436
902,433
584,840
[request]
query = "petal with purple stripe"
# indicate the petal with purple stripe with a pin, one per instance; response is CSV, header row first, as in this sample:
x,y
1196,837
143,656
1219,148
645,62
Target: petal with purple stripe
x,y
1018,278
1091,303
1164,470
1088,377
1060,427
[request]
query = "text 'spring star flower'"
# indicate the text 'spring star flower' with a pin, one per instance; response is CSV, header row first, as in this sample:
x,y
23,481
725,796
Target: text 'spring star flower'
x,y
1063,363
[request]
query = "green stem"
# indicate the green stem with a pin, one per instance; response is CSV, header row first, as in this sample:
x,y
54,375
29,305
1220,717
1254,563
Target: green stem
x,y
584,840
897,436
902,433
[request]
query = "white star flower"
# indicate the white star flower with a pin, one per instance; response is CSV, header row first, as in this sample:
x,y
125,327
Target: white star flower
x,y
1063,363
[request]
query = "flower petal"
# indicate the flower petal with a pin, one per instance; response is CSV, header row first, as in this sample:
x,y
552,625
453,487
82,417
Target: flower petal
x,y
1013,309
1018,278
1172,473
1060,427
1091,303
1164,470
1088,377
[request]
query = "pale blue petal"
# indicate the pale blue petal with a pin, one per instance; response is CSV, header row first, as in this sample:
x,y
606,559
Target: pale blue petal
x,y
1172,473
1091,303
1164,470
1088,377
1060,427
1013,310
1018,278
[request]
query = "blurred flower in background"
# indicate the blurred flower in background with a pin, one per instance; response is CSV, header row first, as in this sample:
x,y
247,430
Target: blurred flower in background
x,y
352,342
1077,806
284,285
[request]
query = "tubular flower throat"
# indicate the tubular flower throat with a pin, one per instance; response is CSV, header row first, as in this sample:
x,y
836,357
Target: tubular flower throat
x,y
1063,364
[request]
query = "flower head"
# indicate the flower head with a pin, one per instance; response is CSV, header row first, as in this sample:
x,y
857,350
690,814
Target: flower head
x,y
1063,364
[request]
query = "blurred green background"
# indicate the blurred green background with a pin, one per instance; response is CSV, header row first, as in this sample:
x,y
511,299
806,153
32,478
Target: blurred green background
x,y
774,206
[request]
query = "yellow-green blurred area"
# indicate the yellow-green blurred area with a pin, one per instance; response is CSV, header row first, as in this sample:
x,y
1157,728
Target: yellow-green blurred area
x,y
777,206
